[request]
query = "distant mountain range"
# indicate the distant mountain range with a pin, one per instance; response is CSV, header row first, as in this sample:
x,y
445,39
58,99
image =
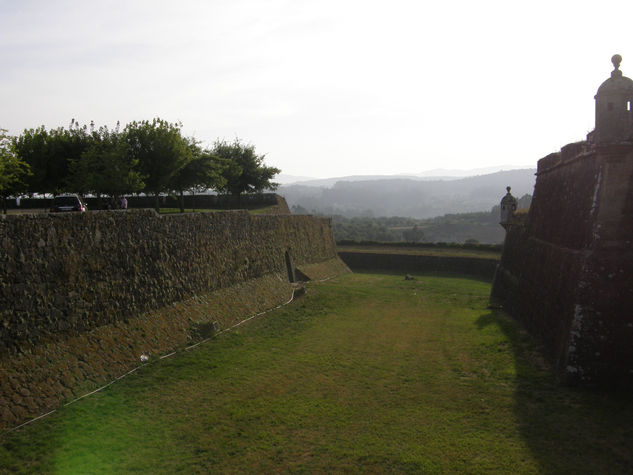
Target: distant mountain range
x,y
408,196
435,174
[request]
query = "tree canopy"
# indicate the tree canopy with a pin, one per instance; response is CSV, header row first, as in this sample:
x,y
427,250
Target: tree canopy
x,y
160,150
105,167
203,172
49,155
149,156
246,172
12,170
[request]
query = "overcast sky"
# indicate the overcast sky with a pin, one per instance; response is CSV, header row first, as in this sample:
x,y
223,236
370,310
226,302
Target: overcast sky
x,y
323,88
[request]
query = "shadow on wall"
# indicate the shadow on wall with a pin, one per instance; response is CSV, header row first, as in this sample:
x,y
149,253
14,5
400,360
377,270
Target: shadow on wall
x,y
365,261
552,418
290,268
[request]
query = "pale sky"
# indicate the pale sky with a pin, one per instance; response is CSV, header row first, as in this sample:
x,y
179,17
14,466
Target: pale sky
x,y
323,88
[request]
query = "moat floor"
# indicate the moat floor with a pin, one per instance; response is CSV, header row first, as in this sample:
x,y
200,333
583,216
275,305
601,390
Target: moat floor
x,y
365,373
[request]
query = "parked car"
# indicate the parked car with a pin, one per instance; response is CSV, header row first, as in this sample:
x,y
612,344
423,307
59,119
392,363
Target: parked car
x,y
63,203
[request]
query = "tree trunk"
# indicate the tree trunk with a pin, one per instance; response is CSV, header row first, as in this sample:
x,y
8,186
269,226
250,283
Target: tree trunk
x,y
157,202
182,201
237,199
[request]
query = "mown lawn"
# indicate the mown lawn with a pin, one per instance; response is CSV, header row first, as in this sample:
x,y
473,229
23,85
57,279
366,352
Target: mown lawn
x,y
366,373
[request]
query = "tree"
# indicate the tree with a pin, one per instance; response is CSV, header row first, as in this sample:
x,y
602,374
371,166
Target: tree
x,y
106,167
246,172
160,150
413,234
202,173
49,155
12,170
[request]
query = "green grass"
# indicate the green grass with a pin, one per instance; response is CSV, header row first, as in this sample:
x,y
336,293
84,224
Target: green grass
x,y
366,373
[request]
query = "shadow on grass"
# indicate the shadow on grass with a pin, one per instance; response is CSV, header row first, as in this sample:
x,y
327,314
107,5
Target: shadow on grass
x,y
568,430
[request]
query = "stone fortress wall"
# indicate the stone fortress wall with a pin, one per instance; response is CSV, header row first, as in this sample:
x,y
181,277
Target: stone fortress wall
x,y
567,266
83,295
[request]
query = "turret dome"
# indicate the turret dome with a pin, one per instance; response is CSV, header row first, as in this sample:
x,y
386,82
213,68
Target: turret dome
x,y
614,107
508,206
617,82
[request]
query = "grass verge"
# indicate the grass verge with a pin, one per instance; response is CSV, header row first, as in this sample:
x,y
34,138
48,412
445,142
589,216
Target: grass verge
x,y
366,373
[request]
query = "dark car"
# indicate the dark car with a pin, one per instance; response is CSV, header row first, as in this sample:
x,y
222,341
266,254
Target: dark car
x,y
63,203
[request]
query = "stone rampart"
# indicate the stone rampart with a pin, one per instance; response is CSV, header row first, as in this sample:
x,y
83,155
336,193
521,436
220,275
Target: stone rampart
x,y
567,268
77,271
83,295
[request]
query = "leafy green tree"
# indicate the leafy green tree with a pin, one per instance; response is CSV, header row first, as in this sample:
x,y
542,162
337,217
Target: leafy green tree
x,y
414,234
246,172
160,150
202,173
106,167
12,170
50,153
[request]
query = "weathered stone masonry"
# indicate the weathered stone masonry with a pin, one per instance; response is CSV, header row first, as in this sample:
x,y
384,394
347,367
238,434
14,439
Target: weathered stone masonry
x,y
82,295
567,267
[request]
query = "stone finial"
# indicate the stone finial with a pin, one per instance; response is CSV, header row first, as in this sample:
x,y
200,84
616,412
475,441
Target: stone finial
x,y
616,59
508,206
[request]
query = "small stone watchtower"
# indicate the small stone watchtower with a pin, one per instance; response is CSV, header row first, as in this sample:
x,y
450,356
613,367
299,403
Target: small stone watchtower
x,y
567,265
614,108
508,206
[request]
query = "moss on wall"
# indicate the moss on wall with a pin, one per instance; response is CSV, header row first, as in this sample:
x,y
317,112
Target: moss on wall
x,y
82,296
74,272
567,271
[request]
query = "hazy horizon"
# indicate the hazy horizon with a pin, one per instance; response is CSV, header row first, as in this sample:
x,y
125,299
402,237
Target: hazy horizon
x,y
333,88
284,178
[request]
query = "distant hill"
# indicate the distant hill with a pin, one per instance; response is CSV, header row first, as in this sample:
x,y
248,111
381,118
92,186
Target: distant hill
x,y
428,175
285,179
457,173
329,182
410,196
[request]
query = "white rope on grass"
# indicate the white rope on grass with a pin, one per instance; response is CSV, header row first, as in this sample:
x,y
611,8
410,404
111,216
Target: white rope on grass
x,y
138,367
28,422
324,280
243,321
163,357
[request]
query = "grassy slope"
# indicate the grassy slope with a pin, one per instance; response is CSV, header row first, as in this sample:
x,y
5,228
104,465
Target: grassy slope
x,y
365,373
